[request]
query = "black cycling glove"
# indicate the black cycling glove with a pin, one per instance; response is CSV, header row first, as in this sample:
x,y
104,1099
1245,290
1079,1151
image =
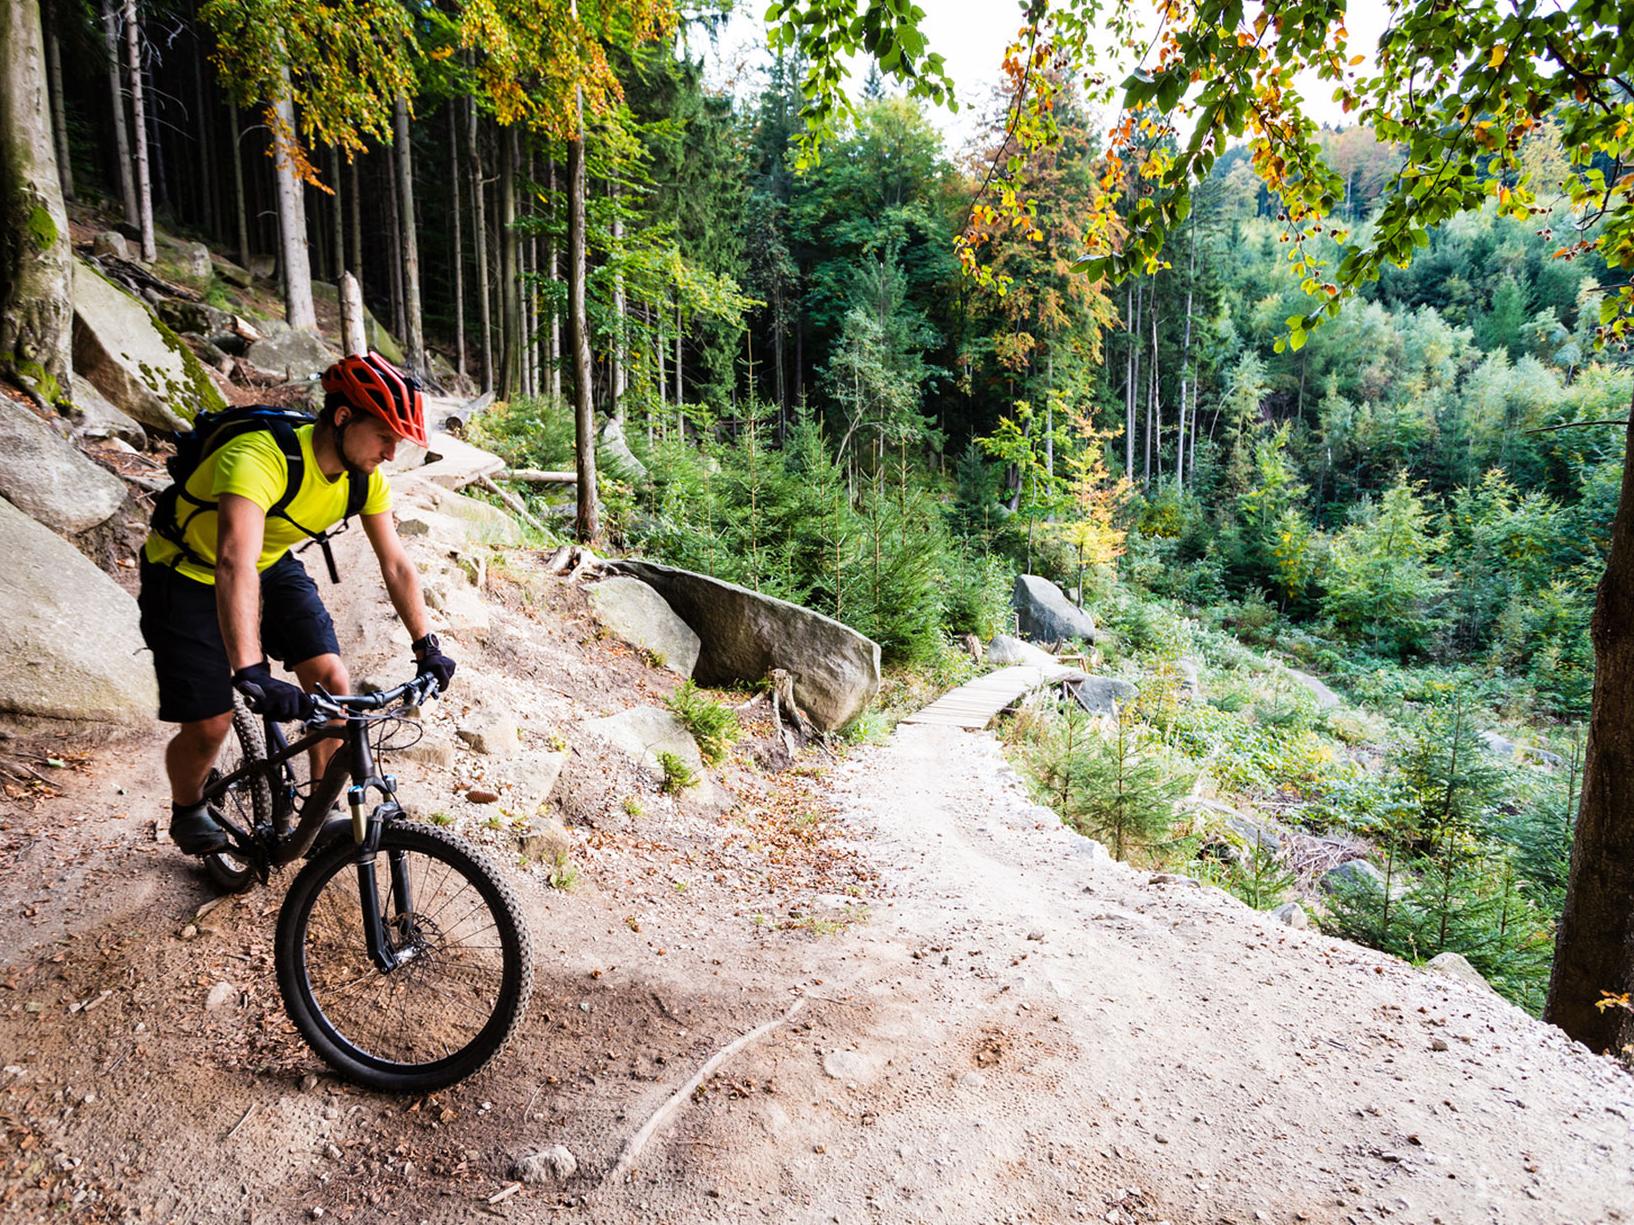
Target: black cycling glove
x,y
267,695
428,653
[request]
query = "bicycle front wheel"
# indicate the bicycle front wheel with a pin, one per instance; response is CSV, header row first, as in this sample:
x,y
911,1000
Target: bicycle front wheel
x,y
464,963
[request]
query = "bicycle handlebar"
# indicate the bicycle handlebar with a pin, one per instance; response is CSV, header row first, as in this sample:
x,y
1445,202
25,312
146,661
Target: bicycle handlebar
x,y
328,706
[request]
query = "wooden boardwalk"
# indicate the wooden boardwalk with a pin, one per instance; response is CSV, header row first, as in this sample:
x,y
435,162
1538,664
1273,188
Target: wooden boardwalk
x,y
974,705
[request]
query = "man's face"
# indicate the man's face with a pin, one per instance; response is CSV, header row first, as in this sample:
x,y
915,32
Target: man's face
x,y
367,442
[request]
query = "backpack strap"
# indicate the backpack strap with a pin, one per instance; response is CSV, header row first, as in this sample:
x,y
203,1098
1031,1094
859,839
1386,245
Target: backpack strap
x,y
357,493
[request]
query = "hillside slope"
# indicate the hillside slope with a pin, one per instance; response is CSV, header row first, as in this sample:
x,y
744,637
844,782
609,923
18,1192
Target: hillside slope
x,y
960,1012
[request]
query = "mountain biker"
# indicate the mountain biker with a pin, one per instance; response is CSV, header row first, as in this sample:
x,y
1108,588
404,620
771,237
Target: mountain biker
x,y
215,603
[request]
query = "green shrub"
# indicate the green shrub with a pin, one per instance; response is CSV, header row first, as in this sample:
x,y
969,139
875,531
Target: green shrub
x,y
678,776
715,727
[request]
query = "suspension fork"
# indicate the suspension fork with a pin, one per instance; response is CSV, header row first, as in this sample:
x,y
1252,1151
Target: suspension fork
x,y
366,832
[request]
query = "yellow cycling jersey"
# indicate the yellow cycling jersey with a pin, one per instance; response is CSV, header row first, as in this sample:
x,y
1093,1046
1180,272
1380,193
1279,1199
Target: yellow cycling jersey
x,y
252,466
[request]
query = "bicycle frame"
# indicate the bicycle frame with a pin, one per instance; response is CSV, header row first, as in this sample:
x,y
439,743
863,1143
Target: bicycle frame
x,y
356,760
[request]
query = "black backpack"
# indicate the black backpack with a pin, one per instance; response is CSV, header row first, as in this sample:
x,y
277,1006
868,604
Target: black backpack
x,y
210,432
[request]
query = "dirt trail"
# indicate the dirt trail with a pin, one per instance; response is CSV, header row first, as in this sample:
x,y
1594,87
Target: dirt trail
x,y
972,1017
1023,1031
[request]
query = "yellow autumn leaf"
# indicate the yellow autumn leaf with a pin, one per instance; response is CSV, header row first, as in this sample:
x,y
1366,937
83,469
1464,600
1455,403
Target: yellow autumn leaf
x,y
1498,54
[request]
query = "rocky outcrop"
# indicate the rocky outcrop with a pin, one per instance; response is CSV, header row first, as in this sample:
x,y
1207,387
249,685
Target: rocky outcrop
x,y
744,635
95,419
639,615
133,359
1505,747
1046,615
449,518
288,354
44,475
1456,965
68,633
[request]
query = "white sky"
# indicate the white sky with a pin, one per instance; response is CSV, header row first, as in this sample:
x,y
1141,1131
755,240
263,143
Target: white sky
x,y
972,35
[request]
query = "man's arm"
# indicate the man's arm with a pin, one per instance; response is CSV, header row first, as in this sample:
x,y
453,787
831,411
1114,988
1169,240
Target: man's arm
x,y
402,580
240,524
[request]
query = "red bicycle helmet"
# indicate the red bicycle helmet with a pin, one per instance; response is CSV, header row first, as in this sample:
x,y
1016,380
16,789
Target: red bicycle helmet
x,y
372,384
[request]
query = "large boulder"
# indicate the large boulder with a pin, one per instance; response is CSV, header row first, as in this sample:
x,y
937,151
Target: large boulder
x,y
133,359
1353,874
1456,965
1326,699
289,355
621,461
198,317
1005,650
1046,615
744,635
68,633
44,475
1102,695
639,615
233,274
643,732
95,419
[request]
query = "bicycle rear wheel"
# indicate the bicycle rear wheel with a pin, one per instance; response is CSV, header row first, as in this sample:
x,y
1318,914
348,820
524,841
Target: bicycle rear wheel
x,y
461,987
248,803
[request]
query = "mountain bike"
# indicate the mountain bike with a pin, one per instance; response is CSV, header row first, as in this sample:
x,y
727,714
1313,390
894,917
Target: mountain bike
x,y
401,953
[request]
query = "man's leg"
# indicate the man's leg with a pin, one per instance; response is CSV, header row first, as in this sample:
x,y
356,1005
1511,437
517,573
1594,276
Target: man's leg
x,y
191,753
326,670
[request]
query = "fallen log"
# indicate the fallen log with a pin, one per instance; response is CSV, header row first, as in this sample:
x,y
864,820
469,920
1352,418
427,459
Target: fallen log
x,y
514,504
538,476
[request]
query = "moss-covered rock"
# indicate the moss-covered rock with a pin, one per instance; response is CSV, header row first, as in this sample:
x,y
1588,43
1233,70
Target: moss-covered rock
x,y
133,358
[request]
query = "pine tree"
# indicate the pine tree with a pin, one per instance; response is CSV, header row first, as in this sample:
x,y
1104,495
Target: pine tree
x,y
1118,787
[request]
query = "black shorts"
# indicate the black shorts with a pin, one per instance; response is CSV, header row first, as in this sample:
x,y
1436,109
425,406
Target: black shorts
x,y
180,625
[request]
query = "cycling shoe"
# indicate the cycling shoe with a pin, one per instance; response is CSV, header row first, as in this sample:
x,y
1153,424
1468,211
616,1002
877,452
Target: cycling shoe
x,y
195,831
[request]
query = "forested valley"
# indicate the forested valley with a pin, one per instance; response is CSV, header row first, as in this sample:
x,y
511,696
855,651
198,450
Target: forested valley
x,y
845,374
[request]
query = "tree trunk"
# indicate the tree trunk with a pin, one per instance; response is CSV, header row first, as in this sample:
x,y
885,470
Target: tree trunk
x,y
1594,945
529,254
554,255
394,253
36,314
510,296
353,338
1129,383
1049,415
1185,369
241,212
479,233
454,181
116,92
160,177
414,341
298,310
584,417
354,218
1154,414
660,361
59,115
207,144
144,188
621,376
337,215
680,390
